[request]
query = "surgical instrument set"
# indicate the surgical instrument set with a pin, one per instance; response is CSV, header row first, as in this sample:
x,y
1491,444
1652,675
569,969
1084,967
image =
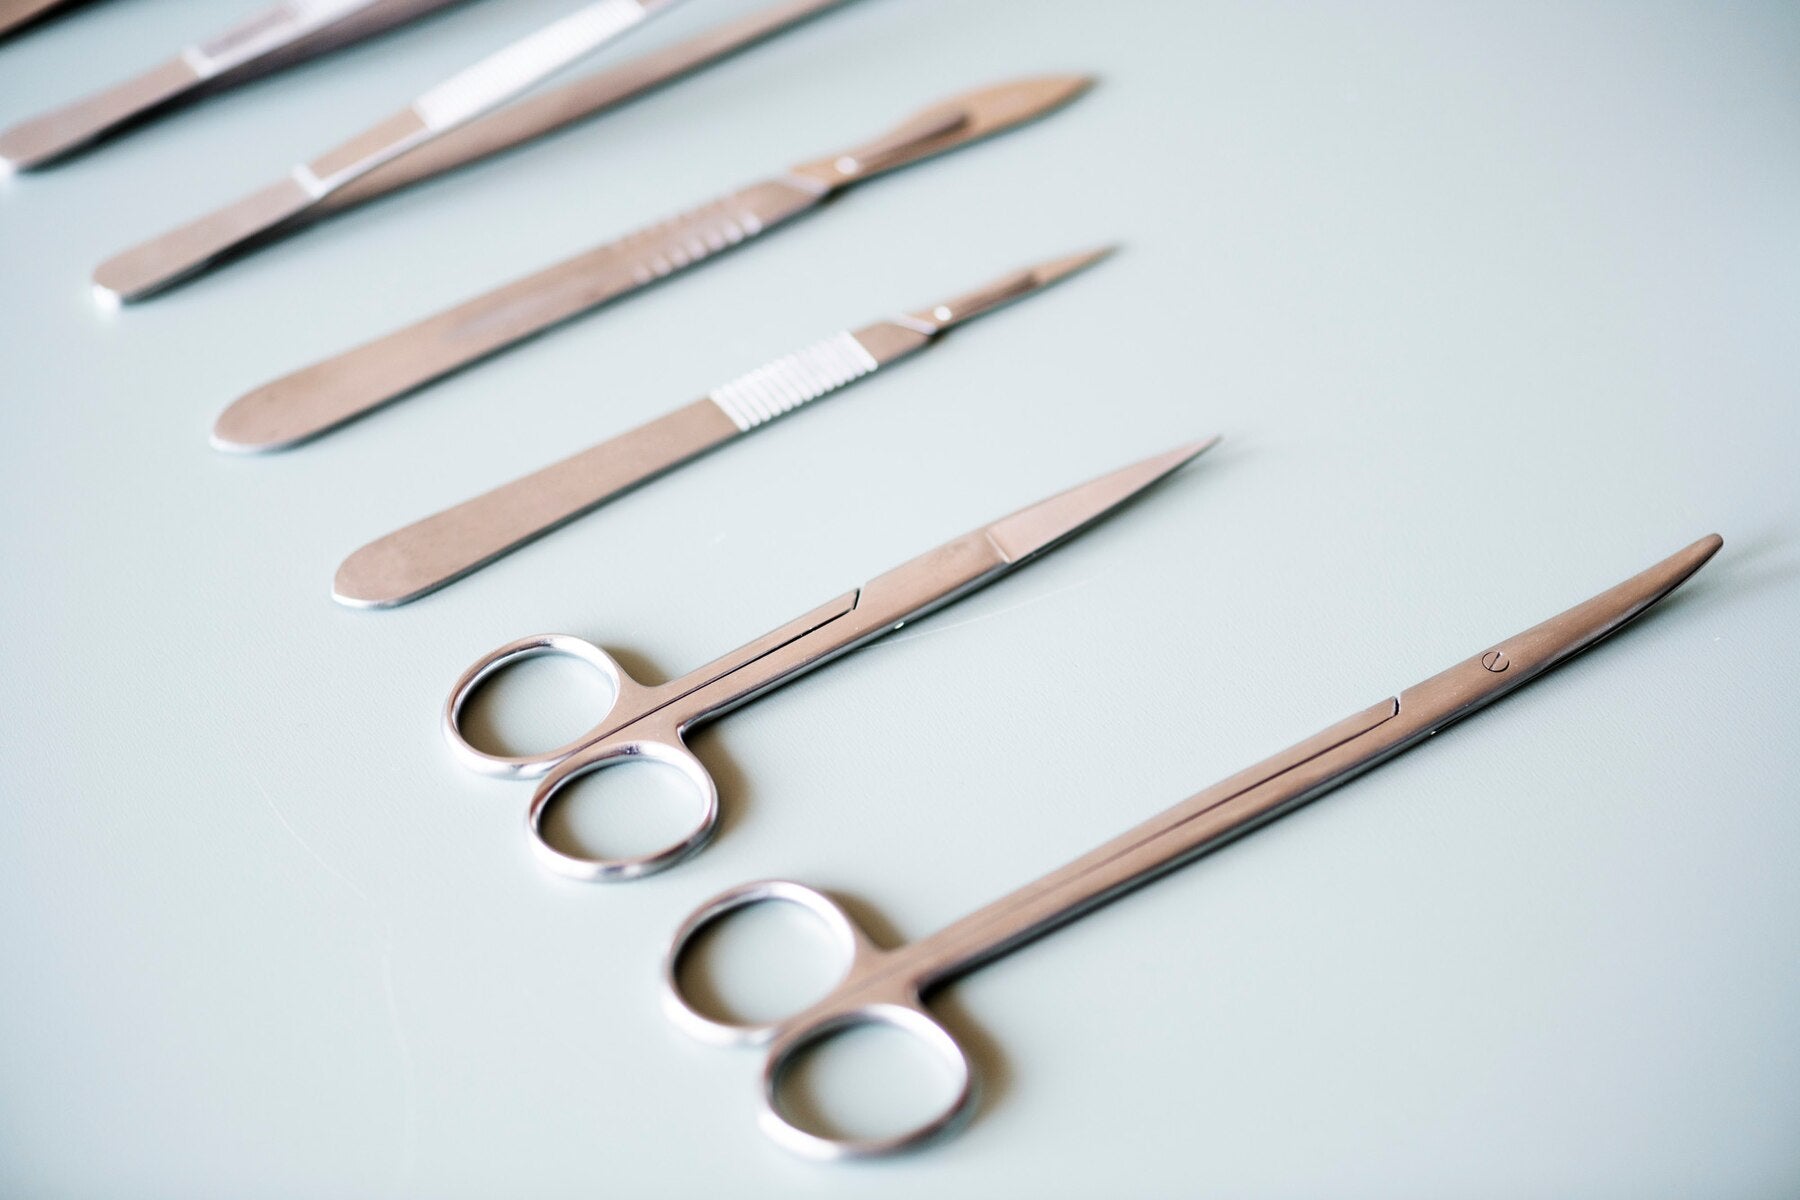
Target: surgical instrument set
x,y
493,81
444,547
320,397
267,41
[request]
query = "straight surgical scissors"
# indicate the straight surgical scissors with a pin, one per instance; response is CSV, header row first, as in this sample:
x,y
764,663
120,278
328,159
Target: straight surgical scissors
x,y
647,722
884,987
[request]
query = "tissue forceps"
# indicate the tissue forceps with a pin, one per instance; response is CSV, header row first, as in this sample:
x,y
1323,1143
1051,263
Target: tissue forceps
x,y
442,548
884,987
647,723
461,98
320,397
266,41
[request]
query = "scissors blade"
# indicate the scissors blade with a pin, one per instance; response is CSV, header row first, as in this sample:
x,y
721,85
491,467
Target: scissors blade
x,y
1301,773
914,588
167,259
963,564
1453,694
1031,531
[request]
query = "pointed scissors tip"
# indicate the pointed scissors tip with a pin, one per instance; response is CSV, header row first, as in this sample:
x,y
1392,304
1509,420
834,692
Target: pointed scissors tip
x,y
1032,530
1182,455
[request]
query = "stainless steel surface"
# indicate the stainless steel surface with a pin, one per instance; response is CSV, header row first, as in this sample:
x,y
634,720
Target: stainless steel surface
x,y
442,548
156,264
534,116
273,37
16,14
1492,303
320,397
887,986
649,722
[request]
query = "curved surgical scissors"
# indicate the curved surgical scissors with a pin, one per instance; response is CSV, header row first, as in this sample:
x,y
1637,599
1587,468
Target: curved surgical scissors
x,y
884,987
647,722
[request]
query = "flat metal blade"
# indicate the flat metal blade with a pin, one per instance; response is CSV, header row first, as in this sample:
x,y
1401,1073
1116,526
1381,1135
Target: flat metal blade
x,y
1487,676
1035,529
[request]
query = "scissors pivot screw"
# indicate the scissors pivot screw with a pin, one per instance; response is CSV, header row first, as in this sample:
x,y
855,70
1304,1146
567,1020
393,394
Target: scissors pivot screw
x,y
1496,661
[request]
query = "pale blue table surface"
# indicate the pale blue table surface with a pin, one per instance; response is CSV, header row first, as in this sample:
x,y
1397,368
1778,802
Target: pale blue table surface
x,y
1495,304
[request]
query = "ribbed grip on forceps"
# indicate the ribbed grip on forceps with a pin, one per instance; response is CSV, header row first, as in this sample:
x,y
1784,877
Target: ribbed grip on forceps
x,y
793,379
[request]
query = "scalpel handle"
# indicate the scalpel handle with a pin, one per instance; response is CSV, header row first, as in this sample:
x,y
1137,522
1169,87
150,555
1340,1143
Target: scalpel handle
x,y
327,394
442,548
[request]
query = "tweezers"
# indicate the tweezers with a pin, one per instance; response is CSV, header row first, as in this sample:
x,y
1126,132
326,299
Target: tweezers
x,y
535,116
314,399
488,84
271,39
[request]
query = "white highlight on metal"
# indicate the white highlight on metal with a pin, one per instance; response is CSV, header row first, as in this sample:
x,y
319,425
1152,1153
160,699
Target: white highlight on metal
x,y
309,181
792,380
264,32
504,74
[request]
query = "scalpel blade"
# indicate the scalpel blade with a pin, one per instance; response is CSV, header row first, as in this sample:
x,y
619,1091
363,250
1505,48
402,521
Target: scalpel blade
x,y
489,83
448,545
315,399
